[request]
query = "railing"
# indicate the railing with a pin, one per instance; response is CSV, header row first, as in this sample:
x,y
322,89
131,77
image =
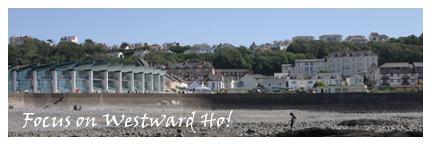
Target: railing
x,y
25,77
82,76
112,77
44,76
112,86
98,77
405,77
64,86
97,86
126,78
385,77
64,76
82,86
44,86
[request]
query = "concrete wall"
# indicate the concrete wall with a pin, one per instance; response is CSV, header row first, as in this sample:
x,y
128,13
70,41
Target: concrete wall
x,y
331,102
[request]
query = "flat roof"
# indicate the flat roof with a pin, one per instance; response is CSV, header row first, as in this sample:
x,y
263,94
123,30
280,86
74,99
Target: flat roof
x,y
395,64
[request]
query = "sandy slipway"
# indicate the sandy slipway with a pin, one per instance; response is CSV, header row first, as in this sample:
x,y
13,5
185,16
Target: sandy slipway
x,y
244,123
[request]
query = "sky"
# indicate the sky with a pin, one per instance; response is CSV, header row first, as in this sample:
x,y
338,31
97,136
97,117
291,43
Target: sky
x,y
189,26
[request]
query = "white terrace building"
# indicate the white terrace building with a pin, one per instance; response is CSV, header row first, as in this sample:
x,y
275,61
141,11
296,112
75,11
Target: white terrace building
x,y
85,77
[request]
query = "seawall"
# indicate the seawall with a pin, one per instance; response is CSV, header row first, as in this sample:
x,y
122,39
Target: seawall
x,y
323,102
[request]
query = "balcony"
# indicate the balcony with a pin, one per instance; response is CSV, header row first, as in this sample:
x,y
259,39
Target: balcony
x,y
112,77
98,77
138,78
27,77
385,84
64,86
44,77
385,77
405,83
127,87
112,86
82,86
97,86
126,78
82,77
44,86
405,77
63,76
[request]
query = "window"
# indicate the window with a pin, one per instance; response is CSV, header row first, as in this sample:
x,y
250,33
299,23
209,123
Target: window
x,y
311,63
240,84
280,84
269,84
198,70
293,82
412,81
310,82
391,74
398,74
398,80
391,80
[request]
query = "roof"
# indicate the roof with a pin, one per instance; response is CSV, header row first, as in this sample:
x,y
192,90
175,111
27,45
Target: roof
x,y
64,66
351,53
417,64
114,67
328,76
264,82
280,75
288,65
25,68
44,67
100,66
231,70
296,76
374,34
82,65
355,76
258,76
330,35
308,60
395,64
127,68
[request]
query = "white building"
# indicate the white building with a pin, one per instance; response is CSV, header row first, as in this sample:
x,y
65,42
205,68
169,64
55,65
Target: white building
x,y
200,48
247,82
331,38
376,37
69,39
18,40
350,62
86,77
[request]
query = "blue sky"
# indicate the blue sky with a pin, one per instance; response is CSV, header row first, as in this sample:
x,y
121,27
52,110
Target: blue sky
x,y
239,26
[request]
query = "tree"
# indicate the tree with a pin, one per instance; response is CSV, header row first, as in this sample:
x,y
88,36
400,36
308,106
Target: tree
x,y
123,45
319,83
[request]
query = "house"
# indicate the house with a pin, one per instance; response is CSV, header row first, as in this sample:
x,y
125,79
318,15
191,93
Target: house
x,y
235,74
73,39
401,74
358,39
168,45
297,81
330,78
331,38
183,69
156,47
141,53
116,54
354,80
374,36
288,68
303,37
200,48
225,45
247,82
18,40
193,85
280,45
373,74
214,82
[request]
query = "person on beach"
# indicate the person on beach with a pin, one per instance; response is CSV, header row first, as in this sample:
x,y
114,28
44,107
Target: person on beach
x,y
293,119
179,134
